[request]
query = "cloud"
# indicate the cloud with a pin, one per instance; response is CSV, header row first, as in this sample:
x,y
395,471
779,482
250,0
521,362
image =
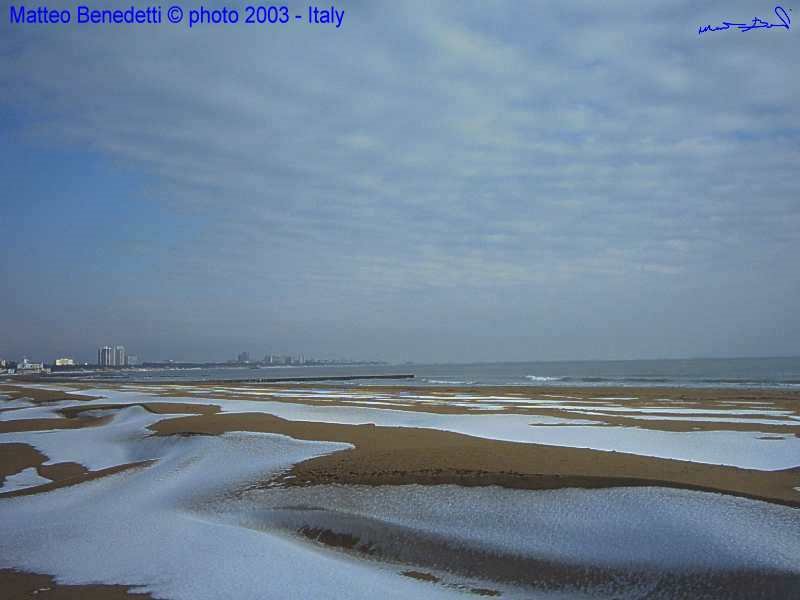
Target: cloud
x,y
438,147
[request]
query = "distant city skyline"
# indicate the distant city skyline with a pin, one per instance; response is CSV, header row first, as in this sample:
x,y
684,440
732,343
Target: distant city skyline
x,y
117,356
112,356
279,359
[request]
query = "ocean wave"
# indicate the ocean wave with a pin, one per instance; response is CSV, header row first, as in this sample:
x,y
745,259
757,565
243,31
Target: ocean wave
x,y
449,382
752,381
618,380
540,378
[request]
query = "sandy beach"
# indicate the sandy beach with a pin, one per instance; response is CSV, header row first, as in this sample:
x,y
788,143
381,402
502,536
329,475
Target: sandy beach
x,y
400,300
486,448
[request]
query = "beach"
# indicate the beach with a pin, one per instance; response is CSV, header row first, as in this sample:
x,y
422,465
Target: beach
x,y
516,491
400,300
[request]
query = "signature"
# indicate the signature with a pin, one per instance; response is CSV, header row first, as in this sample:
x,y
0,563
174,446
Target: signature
x,y
756,23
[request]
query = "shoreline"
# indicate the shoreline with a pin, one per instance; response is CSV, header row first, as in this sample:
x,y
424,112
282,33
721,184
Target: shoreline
x,y
532,384
689,393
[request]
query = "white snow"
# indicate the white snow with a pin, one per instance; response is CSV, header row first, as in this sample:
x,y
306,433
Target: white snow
x,y
24,479
149,528
743,420
686,411
652,527
44,411
94,447
17,403
176,528
735,448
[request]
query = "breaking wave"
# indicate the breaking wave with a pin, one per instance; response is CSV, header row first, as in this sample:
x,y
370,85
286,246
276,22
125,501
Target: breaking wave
x,y
540,378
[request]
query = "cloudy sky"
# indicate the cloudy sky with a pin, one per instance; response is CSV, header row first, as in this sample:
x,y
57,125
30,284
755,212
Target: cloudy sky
x,y
448,181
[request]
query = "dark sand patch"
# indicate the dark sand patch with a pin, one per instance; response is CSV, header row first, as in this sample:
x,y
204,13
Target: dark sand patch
x,y
16,457
20,425
594,398
16,585
404,455
388,455
431,578
421,576
74,420
456,559
484,592
62,471
39,395
710,398
74,480
334,539
158,408
674,423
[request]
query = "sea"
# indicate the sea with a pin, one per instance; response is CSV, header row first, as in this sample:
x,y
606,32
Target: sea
x,y
782,373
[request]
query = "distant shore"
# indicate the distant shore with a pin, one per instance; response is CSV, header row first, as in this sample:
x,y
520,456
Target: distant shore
x,y
743,373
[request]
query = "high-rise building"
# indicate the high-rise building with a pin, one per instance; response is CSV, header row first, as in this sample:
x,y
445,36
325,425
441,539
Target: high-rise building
x,y
133,360
120,357
27,367
244,357
278,359
105,356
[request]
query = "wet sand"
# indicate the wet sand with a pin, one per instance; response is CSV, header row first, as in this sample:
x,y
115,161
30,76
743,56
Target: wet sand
x,y
601,406
17,457
633,396
45,424
403,455
436,560
68,474
41,395
16,585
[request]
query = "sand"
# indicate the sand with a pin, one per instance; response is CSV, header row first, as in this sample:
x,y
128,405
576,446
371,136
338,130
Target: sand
x,y
16,585
387,455
68,474
17,457
402,455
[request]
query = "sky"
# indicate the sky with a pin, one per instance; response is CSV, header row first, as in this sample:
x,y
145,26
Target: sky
x,y
433,181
